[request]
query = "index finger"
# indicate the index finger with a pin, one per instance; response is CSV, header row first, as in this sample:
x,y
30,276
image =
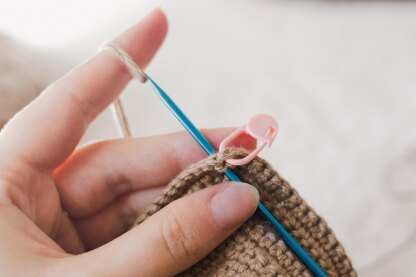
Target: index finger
x,y
46,132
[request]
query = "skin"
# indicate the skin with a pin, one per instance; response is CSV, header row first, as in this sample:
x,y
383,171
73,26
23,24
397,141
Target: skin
x,y
66,211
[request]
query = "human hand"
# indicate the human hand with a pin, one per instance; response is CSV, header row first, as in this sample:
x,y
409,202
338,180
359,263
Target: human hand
x,y
65,211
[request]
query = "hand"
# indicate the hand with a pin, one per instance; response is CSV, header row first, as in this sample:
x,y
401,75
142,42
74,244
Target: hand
x,y
67,212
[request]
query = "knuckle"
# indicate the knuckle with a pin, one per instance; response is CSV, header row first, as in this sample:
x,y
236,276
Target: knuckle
x,y
72,97
178,239
6,190
9,188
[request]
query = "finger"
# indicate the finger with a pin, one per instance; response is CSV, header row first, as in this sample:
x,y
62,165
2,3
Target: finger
x,y
56,120
176,237
67,236
115,219
97,174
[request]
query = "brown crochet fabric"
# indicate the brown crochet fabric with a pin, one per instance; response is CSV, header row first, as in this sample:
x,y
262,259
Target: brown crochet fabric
x,y
255,249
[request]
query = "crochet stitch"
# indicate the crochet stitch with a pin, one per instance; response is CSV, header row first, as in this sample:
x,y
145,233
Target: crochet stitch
x,y
255,249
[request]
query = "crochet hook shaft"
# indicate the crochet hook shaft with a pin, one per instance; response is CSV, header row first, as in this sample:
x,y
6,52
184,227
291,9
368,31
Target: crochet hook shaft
x,y
209,149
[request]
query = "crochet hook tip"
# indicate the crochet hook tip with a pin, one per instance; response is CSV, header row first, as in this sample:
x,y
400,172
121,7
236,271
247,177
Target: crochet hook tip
x,y
182,118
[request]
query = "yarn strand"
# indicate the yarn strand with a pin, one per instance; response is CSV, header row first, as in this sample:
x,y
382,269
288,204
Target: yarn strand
x,y
119,114
120,118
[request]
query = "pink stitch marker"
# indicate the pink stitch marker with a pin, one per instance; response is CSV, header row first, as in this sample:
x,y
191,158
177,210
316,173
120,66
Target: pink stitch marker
x,y
262,127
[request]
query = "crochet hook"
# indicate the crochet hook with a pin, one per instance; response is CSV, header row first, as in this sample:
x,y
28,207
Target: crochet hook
x,y
209,149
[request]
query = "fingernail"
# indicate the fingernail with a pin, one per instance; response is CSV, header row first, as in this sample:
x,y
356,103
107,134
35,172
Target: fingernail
x,y
234,204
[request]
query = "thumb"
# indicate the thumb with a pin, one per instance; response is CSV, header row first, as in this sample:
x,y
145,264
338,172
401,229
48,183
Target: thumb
x,y
177,236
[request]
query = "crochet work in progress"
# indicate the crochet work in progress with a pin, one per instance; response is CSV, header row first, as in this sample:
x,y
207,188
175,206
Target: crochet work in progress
x,y
255,249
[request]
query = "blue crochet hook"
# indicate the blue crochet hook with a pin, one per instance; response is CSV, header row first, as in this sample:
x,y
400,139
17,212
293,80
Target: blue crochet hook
x,y
209,149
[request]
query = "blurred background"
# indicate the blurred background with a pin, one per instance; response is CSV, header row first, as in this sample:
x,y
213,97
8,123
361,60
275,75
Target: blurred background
x,y
339,77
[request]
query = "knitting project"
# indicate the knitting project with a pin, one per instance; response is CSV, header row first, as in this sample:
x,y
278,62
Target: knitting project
x,y
255,249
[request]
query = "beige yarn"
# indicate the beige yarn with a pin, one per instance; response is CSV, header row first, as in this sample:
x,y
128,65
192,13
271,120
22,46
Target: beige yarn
x,y
121,118
255,249
137,73
125,58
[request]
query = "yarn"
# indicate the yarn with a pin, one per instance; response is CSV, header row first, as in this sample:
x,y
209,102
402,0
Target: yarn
x,y
125,58
117,106
255,249
121,118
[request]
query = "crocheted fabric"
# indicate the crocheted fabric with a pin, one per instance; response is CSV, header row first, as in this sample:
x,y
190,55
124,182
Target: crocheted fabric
x,y
255,249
